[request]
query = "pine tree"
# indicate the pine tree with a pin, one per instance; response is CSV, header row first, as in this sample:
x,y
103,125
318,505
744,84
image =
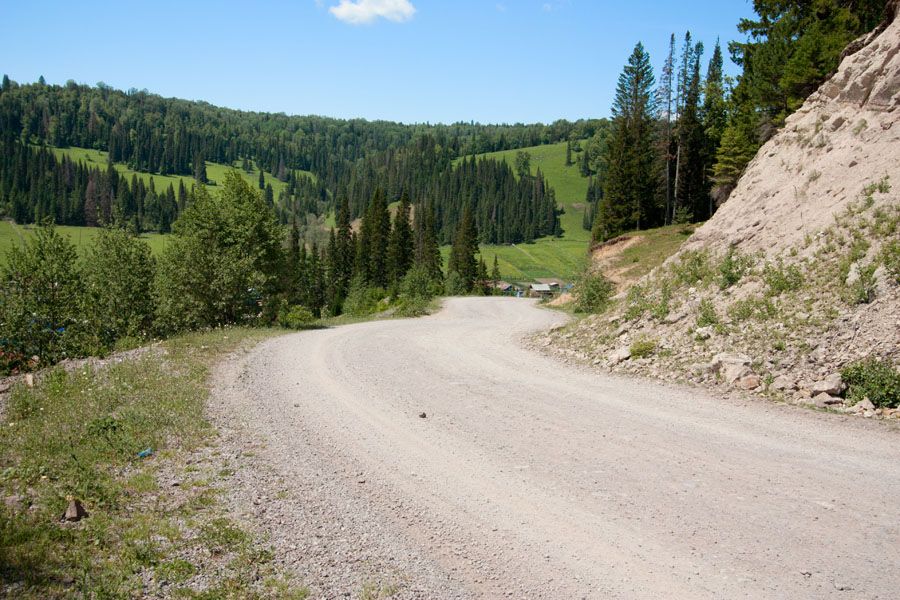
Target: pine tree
x,y
690,183
667,142
401,246
495,272
373,245
199,165
462,253
262,179
428,251
568,153
714,116
630,187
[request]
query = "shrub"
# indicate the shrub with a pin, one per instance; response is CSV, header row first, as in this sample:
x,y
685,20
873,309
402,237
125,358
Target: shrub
x,y
636,302
592,292
415,306
660,308
733,267
780,278
455,285
362,299
693,267
118,274
759,308
42,303
643,347
706,314
295,317
222,263
418,283
862,291
877,380
890,255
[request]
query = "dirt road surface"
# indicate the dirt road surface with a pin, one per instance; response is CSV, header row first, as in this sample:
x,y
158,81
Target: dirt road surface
x,y
532,479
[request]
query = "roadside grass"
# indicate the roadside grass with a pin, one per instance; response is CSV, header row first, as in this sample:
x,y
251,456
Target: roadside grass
x,y
80,434
654,247
12,234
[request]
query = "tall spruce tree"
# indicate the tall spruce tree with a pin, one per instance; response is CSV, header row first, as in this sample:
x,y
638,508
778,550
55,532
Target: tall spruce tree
x,y
690,191
401,246
629,199
462,253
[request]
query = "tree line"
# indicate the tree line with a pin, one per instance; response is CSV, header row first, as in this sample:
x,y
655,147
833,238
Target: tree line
x,y
677,144
228,261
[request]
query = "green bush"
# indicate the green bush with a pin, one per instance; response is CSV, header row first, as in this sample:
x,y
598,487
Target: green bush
x,y
693,267
877,380
780,278
636,303
222,264
455,285
411,307
362,300
706,314
42,304
118,275
862,291
643,347
890,255
295,317
592,292
733,267
750,308
418,283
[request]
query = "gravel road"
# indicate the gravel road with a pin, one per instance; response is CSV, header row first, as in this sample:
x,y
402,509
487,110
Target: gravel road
x,y
533,479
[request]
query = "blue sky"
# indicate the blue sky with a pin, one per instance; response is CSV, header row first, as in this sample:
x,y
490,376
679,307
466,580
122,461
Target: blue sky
x,y
403,60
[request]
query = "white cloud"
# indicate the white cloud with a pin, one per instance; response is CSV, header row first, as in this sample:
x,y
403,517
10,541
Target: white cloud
x,y
360,12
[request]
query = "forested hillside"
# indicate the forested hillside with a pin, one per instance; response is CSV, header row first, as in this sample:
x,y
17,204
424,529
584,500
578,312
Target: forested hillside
x,y
145,133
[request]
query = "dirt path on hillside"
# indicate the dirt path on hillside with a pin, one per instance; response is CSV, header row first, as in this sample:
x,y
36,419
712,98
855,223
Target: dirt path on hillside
x,y
530,479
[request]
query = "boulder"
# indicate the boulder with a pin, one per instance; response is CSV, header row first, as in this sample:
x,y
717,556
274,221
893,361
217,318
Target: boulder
x,y
864,405
783,383
825,401
749,382
619,355
732,367
831,385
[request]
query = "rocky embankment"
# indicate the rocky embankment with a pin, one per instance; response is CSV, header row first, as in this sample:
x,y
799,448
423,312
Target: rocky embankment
x,y
794,284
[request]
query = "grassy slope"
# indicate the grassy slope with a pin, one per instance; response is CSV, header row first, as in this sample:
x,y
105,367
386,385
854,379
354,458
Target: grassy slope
x,y
548,257
78,435
12,234
214,171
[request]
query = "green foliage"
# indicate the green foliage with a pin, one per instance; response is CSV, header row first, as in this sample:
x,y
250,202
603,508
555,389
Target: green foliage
x,y
693,267
877,380
643,347
780,278
593,292
706,314
862,290
454,285
733,267
752,308
223,262
628,202
418,283
295,317
890,256
636,303
42,303
118,275
363,299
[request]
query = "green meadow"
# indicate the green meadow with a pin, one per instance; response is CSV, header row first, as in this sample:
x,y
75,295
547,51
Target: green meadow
x,y
214,171
12,234
562,257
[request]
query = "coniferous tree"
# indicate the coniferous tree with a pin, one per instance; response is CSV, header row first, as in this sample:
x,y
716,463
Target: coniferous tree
x,y
401,246
690,190
262,179
667,142
462,253
630,187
